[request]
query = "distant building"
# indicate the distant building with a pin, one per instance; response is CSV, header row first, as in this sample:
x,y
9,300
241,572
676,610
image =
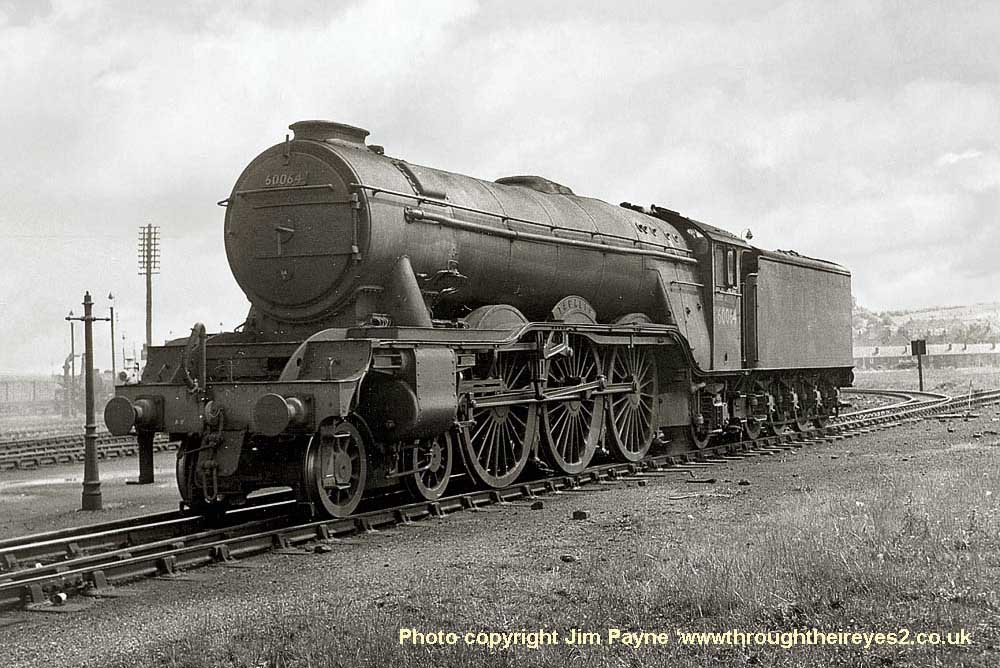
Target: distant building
x,y
938,355
28,395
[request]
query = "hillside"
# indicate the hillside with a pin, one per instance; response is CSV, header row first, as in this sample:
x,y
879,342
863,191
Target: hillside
x,y
974,323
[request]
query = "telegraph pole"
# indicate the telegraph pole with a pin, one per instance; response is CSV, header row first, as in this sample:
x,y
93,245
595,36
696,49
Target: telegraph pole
x,y
149,264
91,474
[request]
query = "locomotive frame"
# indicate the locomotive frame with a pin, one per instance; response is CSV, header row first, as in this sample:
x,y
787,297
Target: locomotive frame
x,y
431,340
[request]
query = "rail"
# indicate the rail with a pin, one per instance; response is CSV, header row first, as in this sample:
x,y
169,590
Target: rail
x,y
34,453
74,562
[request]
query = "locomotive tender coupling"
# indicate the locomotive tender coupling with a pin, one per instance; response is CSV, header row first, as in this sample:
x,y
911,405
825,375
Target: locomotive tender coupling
x,y
412,328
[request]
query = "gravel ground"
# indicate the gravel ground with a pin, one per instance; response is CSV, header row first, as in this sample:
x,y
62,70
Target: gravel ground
x,y
954,382
49,497
472,558
860,402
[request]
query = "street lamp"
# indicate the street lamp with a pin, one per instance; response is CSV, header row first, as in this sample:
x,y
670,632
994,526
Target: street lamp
x,y
114,370
91,476
71,390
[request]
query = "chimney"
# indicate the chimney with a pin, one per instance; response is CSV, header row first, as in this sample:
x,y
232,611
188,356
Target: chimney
x,y
328,131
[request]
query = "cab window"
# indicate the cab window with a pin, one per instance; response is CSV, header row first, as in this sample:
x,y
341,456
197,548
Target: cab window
x,y
726,271
720,266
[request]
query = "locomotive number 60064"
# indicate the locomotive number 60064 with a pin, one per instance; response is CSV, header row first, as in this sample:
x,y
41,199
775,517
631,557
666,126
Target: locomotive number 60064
x,y
410,325
285,179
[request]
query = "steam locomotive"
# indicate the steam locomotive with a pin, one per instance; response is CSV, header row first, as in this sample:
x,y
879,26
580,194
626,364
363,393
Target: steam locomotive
x,y
409,326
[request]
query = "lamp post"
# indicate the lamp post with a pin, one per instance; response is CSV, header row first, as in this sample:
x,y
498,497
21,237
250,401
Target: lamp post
x,y
71,389
65,395
91,474
114,369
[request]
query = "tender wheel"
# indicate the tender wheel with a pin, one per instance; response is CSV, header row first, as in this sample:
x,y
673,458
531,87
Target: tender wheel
x,y
335,469
777,418
432,461
571,429
823,412
804,411
752,428
496,448
801,422
631,414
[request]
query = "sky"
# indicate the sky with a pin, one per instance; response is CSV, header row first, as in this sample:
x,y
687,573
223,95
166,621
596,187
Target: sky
x,y
866,132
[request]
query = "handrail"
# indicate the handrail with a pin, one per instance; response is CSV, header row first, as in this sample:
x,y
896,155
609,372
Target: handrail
x,y
277,189
412,214
505,218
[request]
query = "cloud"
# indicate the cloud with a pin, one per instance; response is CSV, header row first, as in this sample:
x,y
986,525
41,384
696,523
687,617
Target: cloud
x,y
863,132
951,158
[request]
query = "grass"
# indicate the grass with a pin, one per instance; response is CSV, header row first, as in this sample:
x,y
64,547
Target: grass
x,y
909,548
946,380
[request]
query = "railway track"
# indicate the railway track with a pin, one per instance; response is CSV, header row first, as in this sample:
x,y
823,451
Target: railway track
x,y
47,446
67,448
44,569
905,398
53,427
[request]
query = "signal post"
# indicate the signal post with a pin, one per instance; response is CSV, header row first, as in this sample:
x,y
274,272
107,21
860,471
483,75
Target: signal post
x,y
918,347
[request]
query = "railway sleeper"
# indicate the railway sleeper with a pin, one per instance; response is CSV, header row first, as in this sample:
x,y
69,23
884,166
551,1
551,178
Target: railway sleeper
x,y
37,594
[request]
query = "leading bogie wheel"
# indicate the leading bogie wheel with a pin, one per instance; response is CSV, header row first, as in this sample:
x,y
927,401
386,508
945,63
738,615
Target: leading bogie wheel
x,y
431,463
571,428
335,469
700,436
189,483
631,414
185,472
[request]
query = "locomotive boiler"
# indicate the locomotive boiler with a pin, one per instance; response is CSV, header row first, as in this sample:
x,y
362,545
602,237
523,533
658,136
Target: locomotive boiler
x,y
410,326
